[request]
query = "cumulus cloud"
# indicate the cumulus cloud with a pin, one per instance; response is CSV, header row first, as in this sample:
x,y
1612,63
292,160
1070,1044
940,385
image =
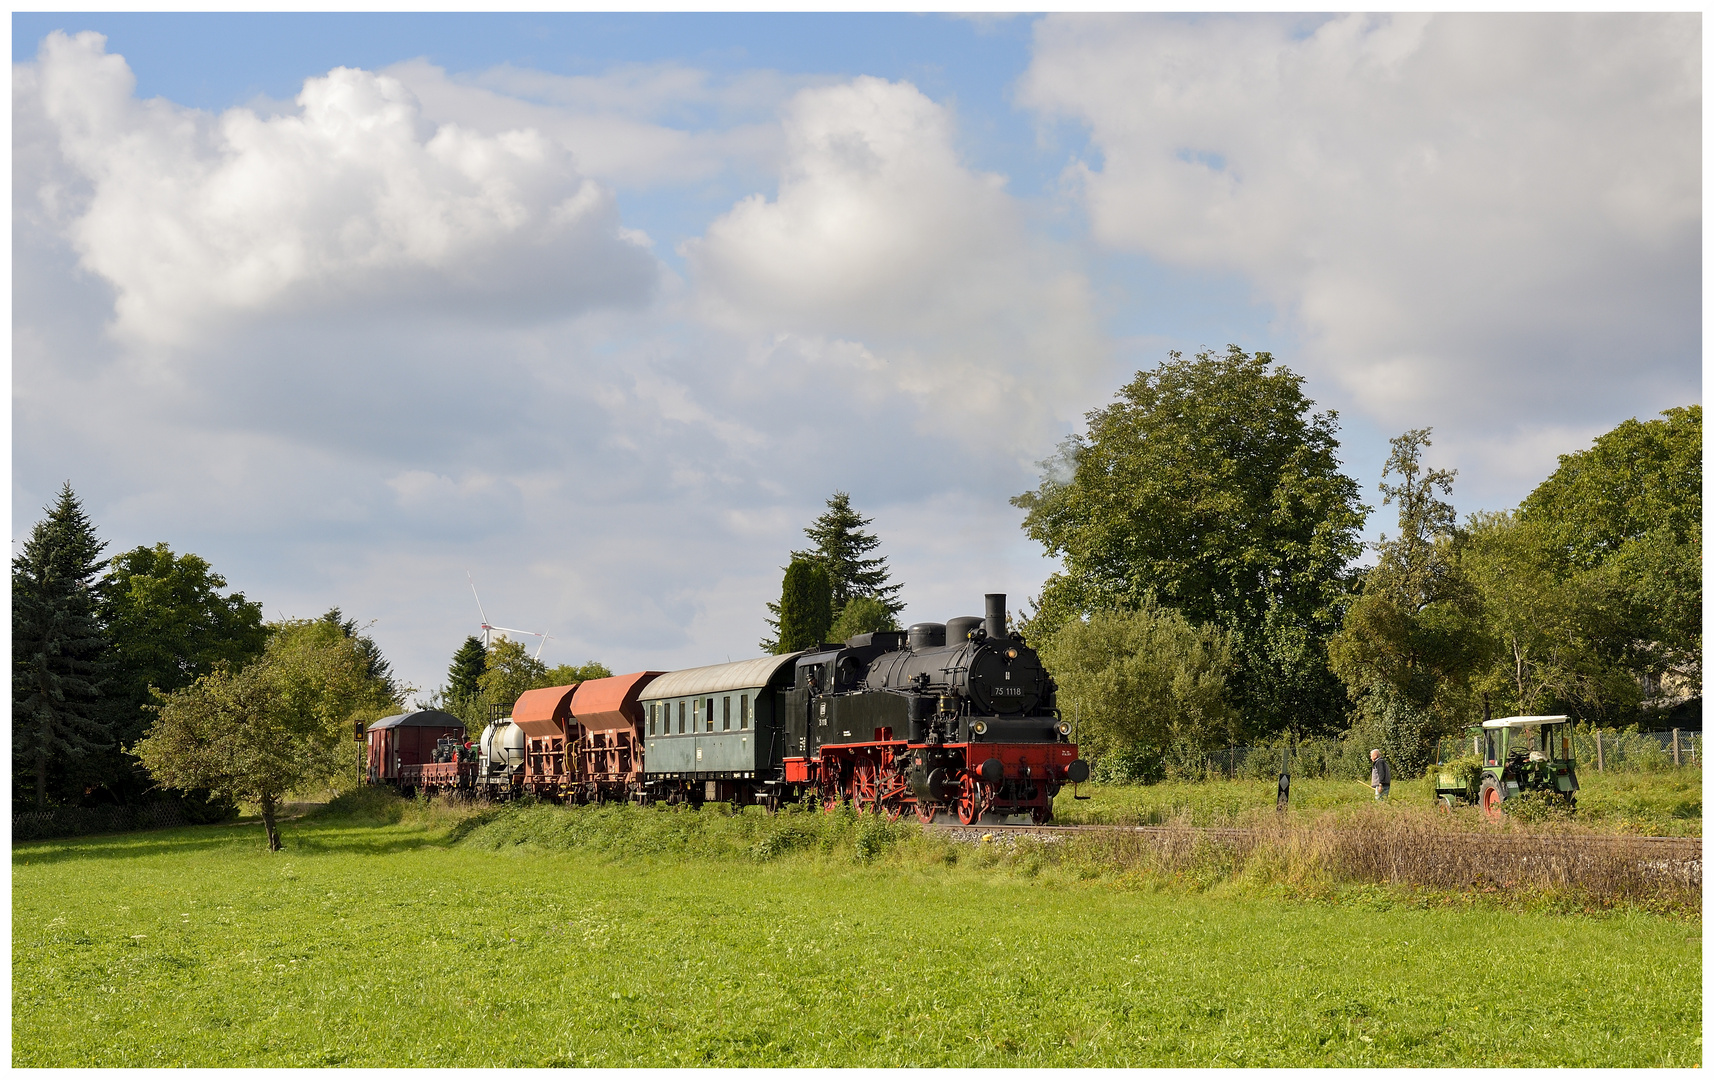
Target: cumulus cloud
x,y
638,126
193,217
884,250
1473,220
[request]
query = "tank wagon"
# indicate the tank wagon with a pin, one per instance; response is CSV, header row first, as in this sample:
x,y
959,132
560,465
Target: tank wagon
x,y
957,717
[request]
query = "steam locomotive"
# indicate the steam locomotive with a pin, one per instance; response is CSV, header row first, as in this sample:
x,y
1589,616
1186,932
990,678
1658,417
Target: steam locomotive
x,y
957,717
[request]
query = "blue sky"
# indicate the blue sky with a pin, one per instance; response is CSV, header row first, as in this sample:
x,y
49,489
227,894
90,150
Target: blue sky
x,y
600,308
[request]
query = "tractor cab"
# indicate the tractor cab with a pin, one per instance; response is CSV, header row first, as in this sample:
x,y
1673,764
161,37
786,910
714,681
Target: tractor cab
x,y
1517,754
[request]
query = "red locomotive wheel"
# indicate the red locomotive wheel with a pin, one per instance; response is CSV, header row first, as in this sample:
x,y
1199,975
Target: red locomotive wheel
x,y
926,812
970,800
866,789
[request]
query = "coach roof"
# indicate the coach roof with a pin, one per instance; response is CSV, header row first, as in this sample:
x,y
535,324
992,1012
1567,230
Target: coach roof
x,y
420,718
743,675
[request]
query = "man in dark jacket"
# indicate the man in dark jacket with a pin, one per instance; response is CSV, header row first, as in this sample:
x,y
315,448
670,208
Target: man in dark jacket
x,y
1380,776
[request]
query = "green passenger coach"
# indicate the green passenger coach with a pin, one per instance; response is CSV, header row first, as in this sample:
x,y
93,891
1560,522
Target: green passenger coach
x,y
715,724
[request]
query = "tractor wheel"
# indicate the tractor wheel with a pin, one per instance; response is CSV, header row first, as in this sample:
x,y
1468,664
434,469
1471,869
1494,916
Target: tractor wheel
x,y
1490,800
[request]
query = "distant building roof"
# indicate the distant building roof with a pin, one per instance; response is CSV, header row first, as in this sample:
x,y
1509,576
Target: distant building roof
x,y
420,718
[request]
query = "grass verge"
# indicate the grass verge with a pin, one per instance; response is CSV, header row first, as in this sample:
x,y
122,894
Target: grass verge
x,y
395,934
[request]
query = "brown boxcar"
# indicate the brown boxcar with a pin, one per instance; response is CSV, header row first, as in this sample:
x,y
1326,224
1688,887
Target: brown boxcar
x,y
407,739
609,743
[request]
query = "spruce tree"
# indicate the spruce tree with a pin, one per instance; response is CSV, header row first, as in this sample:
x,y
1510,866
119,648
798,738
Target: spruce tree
x,y
60,648
468,664
840,547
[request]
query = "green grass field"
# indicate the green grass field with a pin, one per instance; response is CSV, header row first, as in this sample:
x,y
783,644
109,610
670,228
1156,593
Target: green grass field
x,y
396,936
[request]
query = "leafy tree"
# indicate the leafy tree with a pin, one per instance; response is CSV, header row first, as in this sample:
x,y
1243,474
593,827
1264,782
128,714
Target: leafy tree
x,y
61,654
468,664
1548,625
1413,636
374,663
566,674
170,625
273,726
1144,682
1625,517
805,607
511,671
1211,485
862,615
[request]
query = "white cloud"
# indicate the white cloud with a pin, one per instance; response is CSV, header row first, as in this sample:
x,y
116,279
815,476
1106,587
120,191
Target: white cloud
x,y
884,248
635,126
192,217
1475,221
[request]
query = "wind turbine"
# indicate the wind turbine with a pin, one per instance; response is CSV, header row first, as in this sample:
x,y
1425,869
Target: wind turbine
x,y
488,629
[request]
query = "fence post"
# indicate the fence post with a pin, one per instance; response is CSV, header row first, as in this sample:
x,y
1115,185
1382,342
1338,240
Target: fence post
x,y
1675,760
1600,762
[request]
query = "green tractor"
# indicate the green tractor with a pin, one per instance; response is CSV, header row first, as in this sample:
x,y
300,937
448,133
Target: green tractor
x,y
1508,757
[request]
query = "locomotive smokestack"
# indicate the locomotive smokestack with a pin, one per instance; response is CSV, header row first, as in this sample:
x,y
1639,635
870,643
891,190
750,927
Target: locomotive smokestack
x,y
995,623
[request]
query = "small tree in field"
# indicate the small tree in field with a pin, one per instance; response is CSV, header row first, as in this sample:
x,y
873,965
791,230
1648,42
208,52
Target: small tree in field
x,y
276,725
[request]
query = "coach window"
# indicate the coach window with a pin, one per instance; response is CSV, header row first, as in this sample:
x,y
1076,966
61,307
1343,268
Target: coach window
x,y
709,714
744,711
726,713
681,718
651,718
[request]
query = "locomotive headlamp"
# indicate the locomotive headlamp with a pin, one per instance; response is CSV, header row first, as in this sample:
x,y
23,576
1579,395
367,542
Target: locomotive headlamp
x,y
979,727
1065,727
1011,654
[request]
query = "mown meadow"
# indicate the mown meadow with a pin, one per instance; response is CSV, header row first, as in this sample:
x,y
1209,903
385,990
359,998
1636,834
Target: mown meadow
x,y
392,933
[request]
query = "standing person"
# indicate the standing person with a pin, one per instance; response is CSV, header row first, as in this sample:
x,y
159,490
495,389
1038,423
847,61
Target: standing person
x,y
1380,776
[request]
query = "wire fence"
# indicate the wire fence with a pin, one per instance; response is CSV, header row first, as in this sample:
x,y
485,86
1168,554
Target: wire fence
x,y
60,821
1602,749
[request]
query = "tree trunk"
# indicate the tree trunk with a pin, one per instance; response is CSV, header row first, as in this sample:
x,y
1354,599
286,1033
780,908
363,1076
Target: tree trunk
x,y
41,779
268,823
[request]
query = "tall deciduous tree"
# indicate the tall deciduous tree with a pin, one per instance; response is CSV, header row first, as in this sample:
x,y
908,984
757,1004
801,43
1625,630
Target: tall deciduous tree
x,y
171,624
805,608
1413,637
61,653
1211,485
1625,517
275,725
